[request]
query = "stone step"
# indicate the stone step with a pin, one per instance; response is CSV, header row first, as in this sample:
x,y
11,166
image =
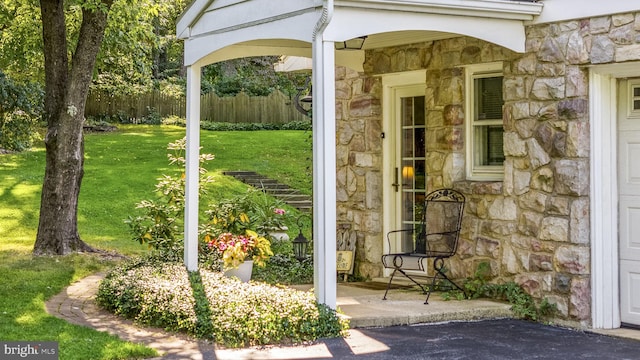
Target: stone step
x,y
239,173
282,191
258,180
272,187
267,185
291,197
300,204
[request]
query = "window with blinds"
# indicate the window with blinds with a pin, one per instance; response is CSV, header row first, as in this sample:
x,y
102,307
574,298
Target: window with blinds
x,y
485,132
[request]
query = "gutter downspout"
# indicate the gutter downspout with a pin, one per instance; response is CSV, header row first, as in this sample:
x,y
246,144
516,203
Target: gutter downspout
x,y
324,162
325,18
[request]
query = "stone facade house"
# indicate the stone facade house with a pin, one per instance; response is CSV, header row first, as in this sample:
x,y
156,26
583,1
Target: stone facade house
x,y
530,109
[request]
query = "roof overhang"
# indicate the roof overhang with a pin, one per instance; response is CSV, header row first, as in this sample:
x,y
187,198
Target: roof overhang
x,y
216,30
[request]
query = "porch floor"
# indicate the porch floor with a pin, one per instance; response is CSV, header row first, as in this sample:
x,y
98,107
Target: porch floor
x,y
362,304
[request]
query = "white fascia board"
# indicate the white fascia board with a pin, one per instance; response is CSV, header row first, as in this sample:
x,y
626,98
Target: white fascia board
x,y
561,10
189,17
350,23
499,9
237,14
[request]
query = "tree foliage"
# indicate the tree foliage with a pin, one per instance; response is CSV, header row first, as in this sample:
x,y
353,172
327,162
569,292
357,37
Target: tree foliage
x,y
20,107
139,50
21,40
255,76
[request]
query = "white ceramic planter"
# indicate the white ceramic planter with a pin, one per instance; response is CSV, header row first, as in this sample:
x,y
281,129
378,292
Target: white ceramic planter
x,y
243,272
279,234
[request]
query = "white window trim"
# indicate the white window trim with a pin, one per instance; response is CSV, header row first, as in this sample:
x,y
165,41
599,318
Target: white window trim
x,y
631,112
472,72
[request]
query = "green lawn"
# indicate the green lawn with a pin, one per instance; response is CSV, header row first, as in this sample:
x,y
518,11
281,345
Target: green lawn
x,y
121,169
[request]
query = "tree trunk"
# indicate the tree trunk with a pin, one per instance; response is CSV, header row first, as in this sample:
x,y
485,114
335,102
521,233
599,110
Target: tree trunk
x,y
65,98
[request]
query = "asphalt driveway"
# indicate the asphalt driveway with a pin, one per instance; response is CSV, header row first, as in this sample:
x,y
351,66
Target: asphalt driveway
x,y
488,339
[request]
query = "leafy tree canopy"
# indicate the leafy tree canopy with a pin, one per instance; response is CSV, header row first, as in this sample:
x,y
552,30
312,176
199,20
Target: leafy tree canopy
x,y
139,44
139,52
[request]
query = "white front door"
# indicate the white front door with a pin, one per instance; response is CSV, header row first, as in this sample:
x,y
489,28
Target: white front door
x,y
629,199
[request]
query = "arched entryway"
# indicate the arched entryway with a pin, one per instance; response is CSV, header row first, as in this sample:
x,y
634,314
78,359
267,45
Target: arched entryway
x,y
219,30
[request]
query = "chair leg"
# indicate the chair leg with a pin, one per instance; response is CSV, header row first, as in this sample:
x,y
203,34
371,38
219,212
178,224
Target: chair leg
x,y
422,287
424,291
389,284
438,265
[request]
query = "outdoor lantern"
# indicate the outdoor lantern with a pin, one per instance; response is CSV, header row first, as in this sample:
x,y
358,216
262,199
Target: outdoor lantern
x,y
300,100
300,244
351,44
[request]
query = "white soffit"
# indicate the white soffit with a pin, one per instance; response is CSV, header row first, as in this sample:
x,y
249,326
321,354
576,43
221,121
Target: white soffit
x,y
395,38
293,63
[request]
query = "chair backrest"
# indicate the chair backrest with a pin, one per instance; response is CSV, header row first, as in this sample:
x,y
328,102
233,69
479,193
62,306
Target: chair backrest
x,y
438,232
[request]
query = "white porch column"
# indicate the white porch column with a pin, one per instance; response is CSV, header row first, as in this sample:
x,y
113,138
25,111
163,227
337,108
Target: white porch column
x,y
324,171
192,167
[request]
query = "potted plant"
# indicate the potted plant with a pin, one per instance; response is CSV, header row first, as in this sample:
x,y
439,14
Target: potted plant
x,y
231,235
240,251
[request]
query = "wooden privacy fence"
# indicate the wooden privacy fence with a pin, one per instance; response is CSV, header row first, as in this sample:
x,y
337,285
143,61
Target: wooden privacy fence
x,y
276,108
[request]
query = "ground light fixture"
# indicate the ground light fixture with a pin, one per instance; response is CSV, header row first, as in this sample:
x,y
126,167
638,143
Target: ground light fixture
x,y
300,243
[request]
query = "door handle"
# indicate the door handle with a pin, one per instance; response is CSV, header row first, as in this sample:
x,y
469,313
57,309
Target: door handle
x,y
395,184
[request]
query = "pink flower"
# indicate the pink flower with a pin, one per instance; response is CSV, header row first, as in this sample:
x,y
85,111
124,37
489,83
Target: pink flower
x,y
279,211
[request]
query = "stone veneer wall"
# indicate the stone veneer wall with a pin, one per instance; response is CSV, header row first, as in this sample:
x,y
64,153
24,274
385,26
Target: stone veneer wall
x,y
533,227
359,165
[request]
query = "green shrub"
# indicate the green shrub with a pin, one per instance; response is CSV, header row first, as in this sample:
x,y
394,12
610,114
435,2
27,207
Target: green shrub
x,y
523,305
174,120
161,224
152,117
297,125
210,306
263,213
20,111
228,126
120,117
284,268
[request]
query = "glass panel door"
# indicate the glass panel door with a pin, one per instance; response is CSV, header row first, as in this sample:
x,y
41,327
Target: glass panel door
x,y
412,169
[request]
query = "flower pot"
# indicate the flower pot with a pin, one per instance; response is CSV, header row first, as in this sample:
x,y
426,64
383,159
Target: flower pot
x,y
279,234
243,272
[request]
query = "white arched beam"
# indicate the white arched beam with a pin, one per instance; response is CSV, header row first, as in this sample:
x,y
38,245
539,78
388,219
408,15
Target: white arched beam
x,y
351,59
298,28
350,23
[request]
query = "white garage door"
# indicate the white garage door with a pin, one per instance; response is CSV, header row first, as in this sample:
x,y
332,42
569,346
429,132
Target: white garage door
x,y
629,199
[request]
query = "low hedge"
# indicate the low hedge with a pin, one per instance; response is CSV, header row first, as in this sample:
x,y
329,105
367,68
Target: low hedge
x,y
208,305
231,126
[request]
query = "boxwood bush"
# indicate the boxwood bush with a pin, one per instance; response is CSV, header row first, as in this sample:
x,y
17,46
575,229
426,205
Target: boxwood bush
x,y
208,305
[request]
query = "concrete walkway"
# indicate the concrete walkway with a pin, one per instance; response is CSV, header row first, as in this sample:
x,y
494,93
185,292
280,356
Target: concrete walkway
x,y
361,304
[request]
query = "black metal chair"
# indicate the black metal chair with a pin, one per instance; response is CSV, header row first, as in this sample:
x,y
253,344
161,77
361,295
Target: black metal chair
x,y
434,237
